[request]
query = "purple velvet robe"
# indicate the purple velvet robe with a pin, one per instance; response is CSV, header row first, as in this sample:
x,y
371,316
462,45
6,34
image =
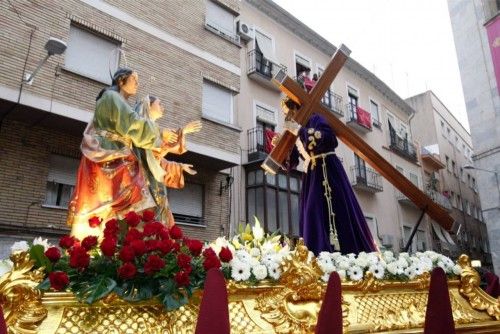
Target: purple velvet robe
x,y
353,233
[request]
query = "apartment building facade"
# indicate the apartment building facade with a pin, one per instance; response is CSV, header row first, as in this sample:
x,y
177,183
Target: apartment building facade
x,y
275,40
475,26
182,54
445,142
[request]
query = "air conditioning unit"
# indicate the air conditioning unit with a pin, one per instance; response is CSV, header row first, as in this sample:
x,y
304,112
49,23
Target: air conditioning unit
x,y
244,30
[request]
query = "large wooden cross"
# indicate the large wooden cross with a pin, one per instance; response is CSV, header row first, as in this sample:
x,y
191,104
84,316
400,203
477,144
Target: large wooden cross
x,y
311,102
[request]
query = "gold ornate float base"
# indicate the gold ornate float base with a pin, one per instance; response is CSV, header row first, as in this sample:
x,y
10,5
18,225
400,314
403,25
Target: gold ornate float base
x,y
288,307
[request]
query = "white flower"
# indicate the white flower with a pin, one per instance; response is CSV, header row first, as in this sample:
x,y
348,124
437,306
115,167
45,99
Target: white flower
x,y
20,246
221,242
240,271
335,255
457,270
361,262
442,265
341,273
388,256
43,242
355,273
257,231
325,263
410,272
259,271
393,268
417,269
274,271
5,266
377,270
325,277
373,258
343,265
255,252
243,256
269,259
402,262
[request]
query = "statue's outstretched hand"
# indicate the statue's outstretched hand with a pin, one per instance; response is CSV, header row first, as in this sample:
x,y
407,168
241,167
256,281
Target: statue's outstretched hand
x,y
188,168
170,136
192,127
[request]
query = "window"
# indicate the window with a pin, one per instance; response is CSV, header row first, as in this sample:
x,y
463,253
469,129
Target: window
x,y
448,133
61,180
301,64
454,167
462,176
352,98
274,200
459,202
266,114
448,163
217,102
220,21
474,184
469,183
453,199
187,203
372,225
375,114
413,178
90,54
406,236
473,211
467,207
443,132
421,241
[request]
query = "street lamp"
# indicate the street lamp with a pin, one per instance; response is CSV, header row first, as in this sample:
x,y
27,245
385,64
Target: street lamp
x,y
489,171
53,47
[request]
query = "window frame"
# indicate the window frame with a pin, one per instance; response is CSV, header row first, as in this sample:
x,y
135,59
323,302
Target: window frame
x,y
211,117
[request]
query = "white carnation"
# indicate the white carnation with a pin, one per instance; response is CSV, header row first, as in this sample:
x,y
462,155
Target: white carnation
x,y
343,265
361,262
325,277
389,256
44,242
342,273
243,256
457,270
20,246
259,271
255,252
393,268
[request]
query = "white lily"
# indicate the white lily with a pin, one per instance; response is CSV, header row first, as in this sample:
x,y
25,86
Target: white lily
x,y
257,230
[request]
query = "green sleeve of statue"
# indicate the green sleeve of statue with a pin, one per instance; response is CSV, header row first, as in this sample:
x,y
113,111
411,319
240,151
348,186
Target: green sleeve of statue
x,y
115,115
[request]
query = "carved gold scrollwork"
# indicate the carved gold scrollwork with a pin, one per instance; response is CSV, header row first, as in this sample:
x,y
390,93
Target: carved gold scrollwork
x,y
477,297
21,301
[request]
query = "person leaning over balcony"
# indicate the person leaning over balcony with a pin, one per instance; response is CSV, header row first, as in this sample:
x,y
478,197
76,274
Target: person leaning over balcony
x,y
110,179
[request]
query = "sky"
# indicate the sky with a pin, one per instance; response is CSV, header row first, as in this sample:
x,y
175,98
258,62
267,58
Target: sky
x,y
406,43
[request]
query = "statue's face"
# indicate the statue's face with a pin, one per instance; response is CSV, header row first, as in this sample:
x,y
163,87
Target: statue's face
x,y
130,85
156,110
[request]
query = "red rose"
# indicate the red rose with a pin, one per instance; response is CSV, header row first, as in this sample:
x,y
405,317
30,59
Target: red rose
x,y
95,221
153,264
195,247
163,234
152,228
58,280
225,254
182,278
53,254
133,234
176,246
183,261
166,246
148,215
132,219
108,246
139,247
127,254
209,252
112,228
152,245
79,258
127,271
211,262
67,241
175,232
89,242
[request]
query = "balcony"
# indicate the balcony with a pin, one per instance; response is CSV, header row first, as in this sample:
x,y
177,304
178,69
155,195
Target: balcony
x,y
404,200
366,179
262,69
257,144
402,146
358,118
333,102
440,199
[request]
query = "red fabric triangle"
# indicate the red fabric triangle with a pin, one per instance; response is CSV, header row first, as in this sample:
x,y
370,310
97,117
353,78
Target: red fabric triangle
x,y
3,325
330,314
214,312
439,316
493,288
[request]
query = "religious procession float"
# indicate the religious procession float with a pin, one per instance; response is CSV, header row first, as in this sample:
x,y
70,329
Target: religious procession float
x,y
128,268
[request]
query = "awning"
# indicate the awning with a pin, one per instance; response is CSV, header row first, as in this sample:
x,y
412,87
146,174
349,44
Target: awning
x,y
265,45
442,234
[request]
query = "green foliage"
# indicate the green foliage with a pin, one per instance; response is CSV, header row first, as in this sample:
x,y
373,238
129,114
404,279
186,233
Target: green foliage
x,y
37,254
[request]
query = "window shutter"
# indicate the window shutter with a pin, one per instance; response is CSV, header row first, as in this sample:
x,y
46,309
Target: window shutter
x,y
266,115
91,55
62,169
187,201
265,44
219,18
217,102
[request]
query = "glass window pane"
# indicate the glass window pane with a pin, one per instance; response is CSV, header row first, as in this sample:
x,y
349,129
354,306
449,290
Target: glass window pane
x,y
259,203
271,210
251,178
66,192
271,179
294,184
51,195
250,204
259,177
294,202
283,212
282,181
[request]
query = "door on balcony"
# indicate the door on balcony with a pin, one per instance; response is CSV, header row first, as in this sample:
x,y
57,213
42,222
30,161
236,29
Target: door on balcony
x,y
352,103
264,55
262,132
360,169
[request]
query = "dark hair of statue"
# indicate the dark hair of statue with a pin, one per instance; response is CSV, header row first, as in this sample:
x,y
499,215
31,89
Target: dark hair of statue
x,y
120,77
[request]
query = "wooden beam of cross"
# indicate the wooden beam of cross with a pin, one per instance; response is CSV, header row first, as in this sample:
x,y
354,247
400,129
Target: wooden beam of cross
x,y
310,103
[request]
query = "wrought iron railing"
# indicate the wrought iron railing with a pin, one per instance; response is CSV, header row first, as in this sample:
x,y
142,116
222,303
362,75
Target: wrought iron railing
x,y
256,140
363,175
402,145
439,199
352,115
257,63
333,102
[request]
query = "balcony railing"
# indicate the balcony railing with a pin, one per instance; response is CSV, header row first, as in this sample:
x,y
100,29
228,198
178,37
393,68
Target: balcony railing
x,y
365,178
353,119
402,198
256,144
261,68
440,199
333,102
402,146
